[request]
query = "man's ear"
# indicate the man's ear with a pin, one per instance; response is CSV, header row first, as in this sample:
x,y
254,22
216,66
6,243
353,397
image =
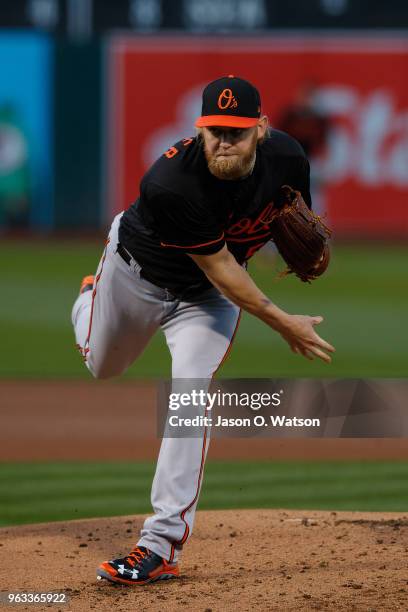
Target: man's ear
x,y
263,125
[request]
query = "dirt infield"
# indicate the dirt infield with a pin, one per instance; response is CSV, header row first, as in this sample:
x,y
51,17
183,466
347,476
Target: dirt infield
x,y
101,420
236,560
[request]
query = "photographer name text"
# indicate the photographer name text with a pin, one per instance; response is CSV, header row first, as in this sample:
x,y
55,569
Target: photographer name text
x,y
255,421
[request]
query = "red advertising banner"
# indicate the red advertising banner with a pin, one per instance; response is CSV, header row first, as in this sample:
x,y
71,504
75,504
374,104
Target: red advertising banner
x,y
359,85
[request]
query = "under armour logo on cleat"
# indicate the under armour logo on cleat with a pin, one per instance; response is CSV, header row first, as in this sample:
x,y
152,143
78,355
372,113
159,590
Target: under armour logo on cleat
x,y
133,573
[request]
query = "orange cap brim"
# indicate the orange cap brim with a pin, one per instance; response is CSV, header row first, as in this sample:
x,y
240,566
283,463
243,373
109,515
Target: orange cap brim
x,y
226,121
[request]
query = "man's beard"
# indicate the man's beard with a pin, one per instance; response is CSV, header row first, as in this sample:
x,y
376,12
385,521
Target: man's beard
x,y
231,167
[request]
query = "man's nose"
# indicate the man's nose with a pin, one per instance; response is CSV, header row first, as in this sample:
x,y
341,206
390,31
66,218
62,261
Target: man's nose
x,y
225,139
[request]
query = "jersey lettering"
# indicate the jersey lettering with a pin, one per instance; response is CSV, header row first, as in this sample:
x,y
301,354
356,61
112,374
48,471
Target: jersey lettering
x,y
250,227
262,222
240,227
171,152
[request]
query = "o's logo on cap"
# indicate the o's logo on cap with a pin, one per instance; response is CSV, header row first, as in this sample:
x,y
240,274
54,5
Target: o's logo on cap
x,y
226,100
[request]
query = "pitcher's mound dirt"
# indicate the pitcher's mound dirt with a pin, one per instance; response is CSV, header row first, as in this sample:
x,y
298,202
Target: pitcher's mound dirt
x,y
236,560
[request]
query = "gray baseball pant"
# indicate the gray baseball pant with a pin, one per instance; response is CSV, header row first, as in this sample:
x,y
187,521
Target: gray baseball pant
x,y
113,324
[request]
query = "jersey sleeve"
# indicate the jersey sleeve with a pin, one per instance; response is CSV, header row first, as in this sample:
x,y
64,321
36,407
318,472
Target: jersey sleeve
x,y
182,225
299,177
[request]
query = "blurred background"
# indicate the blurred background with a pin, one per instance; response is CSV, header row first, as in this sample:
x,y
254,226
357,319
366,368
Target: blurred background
x,y
93,91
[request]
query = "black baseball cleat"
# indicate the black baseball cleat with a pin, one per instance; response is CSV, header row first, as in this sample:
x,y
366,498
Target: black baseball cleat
x,y
140,566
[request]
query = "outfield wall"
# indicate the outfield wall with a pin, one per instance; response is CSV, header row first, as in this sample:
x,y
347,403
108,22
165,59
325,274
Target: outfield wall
x,y
26,130
96,115
154,95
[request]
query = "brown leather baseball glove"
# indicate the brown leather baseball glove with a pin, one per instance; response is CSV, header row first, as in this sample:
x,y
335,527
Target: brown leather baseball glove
x,y
300,236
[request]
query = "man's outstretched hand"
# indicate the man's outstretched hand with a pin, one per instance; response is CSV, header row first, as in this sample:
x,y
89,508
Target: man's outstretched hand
x,y
299,333
234,282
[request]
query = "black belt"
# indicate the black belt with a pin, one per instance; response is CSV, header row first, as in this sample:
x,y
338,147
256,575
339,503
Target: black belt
x,y
125,255
127,258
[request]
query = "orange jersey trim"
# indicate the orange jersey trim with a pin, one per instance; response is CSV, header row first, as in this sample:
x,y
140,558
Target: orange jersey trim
x,y
249,239
192,246
226,121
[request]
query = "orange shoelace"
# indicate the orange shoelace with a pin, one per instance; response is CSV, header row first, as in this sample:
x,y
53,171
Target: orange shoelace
x,y
136,556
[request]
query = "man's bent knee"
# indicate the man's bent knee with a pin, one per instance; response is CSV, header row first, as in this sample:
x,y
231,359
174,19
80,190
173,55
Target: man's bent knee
x,y
103,371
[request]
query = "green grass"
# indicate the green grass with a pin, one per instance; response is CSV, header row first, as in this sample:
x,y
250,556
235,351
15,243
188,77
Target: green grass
x,y
363,299
38,492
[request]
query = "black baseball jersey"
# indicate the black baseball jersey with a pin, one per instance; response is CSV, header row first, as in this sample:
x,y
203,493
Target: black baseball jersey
x,y
184,209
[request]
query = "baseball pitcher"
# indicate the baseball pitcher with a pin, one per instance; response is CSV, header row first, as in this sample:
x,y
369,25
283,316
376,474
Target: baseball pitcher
x,y
176,260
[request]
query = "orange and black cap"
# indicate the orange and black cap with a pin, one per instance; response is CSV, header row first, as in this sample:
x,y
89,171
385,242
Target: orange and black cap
x,y
230,102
